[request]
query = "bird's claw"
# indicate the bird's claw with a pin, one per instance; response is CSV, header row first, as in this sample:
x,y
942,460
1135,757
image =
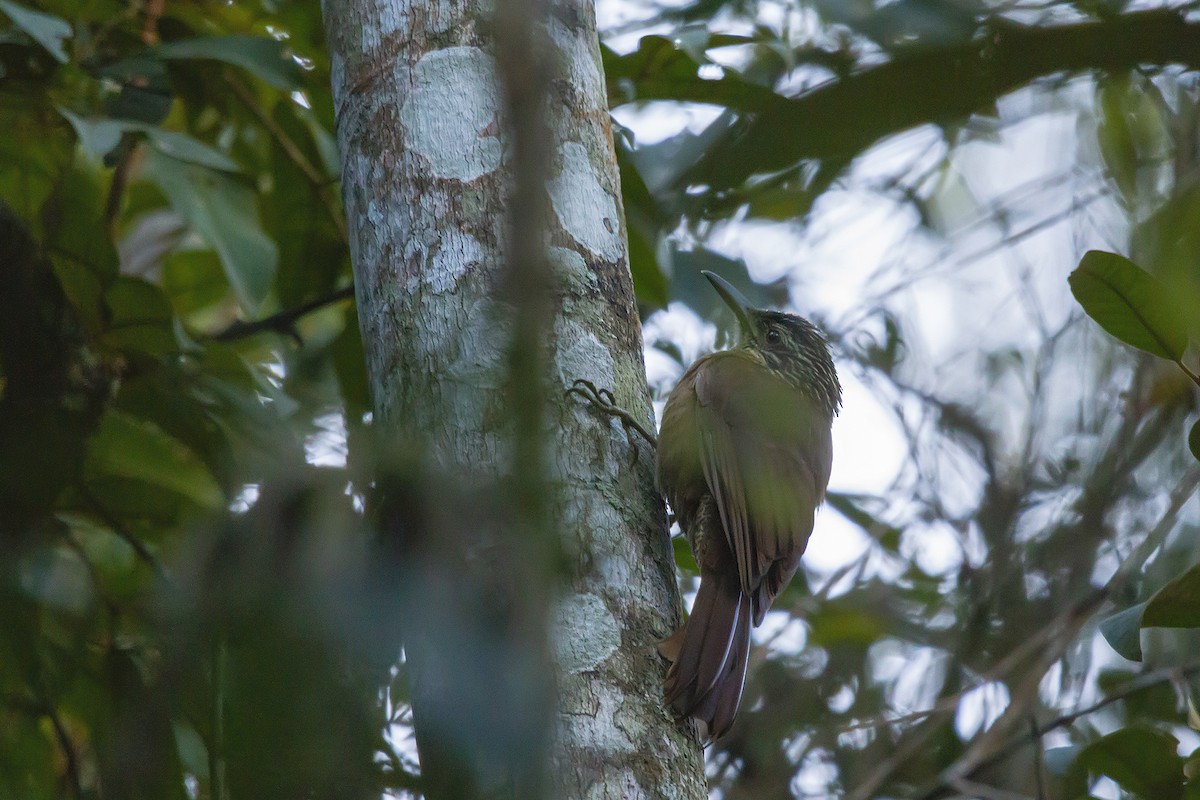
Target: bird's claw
x,y
604,400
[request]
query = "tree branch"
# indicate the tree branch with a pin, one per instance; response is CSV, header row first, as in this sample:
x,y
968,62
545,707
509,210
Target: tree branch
x,y
988,748
282,322
922,84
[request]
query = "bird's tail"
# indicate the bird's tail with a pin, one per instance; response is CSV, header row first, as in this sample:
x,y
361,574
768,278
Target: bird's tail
x,y
709,652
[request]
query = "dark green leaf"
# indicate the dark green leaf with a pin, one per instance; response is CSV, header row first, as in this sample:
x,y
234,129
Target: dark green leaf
x,y
136,752
196,283
80,245
300,220
645,222
1177,604
1194,439
1129,304
1140,760
130,449
141,318
269,59
46,29
36,150
143,89
350,366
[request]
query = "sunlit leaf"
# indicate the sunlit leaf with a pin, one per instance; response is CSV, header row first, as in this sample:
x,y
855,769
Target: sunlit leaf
x,y
131,449
49,31
1129,304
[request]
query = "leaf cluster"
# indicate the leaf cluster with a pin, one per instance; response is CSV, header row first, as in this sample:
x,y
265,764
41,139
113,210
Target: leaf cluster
x,y
190,598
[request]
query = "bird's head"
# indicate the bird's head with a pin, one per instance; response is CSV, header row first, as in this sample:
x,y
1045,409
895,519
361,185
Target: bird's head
x,y
788,344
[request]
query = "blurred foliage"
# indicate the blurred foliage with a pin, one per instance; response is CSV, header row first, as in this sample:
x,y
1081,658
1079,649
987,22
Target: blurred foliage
x,y
190,603
193,601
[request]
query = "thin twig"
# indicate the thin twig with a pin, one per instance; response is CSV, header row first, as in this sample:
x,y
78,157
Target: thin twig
x,y
68,749
1055,637
282,322
139,547
986,748
127,148
216,748
1038,766
319,182
1195,378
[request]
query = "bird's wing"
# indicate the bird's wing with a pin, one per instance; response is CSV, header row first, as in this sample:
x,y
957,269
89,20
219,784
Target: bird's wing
x,y
765,451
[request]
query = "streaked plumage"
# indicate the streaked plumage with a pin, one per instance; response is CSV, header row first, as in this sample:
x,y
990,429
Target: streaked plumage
x,y
744,455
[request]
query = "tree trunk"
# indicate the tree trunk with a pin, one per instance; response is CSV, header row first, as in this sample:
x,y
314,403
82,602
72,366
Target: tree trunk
x,y
428,180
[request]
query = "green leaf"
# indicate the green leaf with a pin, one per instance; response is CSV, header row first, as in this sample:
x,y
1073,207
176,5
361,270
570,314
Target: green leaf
x,y
224,213
684,558
1129,304
644,222
36,151
1177,604
46,29
100,136
269,59
196,283
1123,632
186,148
1130,128
1143,761
131,449
141,318
1194,440
838,622
299,219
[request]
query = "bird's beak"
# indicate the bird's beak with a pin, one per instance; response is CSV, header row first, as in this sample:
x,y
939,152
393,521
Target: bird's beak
x,y
734,299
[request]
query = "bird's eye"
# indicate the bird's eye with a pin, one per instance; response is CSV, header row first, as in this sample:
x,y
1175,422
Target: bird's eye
x,y
772,336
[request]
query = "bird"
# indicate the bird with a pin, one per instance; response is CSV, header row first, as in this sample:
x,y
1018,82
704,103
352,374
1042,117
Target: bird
x,y
744,454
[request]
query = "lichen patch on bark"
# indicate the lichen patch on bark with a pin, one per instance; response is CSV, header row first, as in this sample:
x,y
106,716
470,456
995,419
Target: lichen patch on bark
x,y
585,633
463,145
585,210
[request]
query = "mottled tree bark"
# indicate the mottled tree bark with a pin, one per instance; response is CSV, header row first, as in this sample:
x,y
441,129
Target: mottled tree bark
x,y
428,179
